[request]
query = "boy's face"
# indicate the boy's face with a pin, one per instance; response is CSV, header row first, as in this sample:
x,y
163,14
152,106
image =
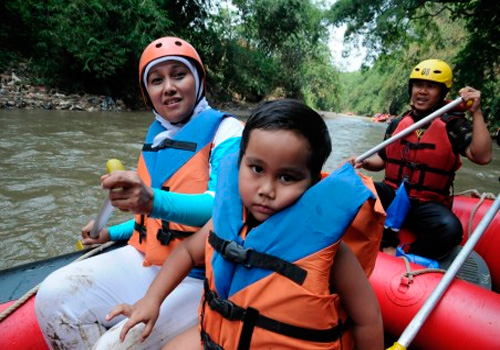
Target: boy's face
x,y
273,171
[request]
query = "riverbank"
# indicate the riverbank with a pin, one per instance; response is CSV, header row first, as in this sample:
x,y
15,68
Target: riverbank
x,y
17,91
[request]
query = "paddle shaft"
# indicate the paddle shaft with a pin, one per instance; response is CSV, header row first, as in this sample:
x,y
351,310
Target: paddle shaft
x,y
417,322
409,129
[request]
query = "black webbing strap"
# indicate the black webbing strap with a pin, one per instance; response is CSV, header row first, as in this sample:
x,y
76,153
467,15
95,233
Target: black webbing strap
x,y
208,343
249,323
166,235
139,227
423,169
417,145
168,143
251,318
248,257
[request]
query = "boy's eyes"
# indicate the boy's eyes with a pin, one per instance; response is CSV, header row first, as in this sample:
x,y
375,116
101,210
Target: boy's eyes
x,y
287,178
256,169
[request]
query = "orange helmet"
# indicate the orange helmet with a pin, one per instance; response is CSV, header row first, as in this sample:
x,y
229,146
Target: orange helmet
x,y
167,46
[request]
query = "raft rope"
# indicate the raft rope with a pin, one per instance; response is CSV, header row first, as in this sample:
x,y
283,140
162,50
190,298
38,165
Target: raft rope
x,y
34,290
475,194
407,277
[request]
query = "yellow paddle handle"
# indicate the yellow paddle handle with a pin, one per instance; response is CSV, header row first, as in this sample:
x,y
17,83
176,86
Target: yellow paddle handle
x,y
397,346
114,164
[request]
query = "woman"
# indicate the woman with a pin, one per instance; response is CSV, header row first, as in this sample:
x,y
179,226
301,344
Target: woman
x,y
171,195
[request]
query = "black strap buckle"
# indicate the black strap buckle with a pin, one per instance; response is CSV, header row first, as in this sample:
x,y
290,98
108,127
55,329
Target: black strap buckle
x,y
234,252
224,307
164,236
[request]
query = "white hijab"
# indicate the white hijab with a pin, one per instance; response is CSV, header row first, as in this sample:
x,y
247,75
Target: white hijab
x,y
201,105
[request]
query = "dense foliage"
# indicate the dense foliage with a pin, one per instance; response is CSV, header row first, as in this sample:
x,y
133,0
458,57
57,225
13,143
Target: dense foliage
x,y
252,49
255,49
400,33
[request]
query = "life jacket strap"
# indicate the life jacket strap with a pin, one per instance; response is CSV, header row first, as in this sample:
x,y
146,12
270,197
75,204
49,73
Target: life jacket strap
x,y
251,318
169,143
208,343
141,228
249,257
166,235
419,166
417,145
423,169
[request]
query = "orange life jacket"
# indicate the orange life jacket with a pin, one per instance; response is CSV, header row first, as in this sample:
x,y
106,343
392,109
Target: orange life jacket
x,y
428,164
365,232
270,287
179,165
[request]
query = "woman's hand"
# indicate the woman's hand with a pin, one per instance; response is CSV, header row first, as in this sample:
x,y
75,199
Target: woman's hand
x,y
128,192
87,240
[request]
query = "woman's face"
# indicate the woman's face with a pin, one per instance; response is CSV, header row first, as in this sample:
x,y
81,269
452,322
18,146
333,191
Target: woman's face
x,y
172,90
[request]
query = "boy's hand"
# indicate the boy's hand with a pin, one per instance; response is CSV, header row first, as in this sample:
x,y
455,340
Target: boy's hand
x,y
145,311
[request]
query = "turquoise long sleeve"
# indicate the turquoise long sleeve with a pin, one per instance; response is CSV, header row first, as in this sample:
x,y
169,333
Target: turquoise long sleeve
x,y
122,231
188,209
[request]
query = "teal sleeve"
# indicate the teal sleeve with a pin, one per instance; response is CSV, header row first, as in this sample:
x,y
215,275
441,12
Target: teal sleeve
x,y
229,146
188,209
122,231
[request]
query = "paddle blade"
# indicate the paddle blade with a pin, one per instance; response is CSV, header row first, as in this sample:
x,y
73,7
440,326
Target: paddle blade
x,y
398,209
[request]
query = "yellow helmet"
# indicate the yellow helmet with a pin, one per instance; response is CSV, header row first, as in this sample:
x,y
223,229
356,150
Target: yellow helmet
x,y
433,70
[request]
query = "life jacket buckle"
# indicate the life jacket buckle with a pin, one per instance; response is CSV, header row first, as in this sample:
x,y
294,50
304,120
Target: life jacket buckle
x,y
164,236
224,307
234,252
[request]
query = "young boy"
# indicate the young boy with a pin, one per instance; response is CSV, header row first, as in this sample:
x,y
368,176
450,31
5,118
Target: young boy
x,y
277,274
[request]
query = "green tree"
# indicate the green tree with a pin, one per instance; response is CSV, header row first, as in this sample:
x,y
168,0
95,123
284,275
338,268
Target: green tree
x,y
293,34
391,26
94,45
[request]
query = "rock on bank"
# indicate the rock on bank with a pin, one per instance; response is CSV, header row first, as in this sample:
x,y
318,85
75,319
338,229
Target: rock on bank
x,y
18,92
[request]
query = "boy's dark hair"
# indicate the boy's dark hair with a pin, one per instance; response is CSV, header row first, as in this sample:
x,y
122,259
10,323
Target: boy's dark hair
x,y
289,114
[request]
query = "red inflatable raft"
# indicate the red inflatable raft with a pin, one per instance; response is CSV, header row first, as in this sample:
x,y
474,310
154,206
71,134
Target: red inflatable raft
x,y
467,317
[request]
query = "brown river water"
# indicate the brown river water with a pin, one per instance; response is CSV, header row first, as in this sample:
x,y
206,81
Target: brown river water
x,y
51,161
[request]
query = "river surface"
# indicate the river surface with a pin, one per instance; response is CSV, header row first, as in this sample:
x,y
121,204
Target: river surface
x,y
51,161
